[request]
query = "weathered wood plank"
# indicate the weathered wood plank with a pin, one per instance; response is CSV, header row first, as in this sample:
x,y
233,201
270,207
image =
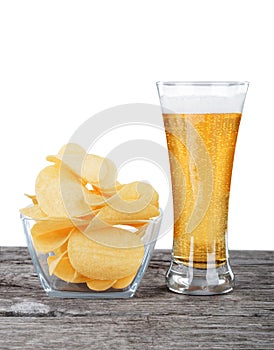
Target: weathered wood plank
x,y
154,319
135,332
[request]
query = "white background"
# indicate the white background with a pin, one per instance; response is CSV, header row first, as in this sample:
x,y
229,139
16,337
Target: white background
x,y
63,61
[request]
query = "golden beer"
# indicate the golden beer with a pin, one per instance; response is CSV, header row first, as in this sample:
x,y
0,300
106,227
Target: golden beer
x,y
201,120
201,151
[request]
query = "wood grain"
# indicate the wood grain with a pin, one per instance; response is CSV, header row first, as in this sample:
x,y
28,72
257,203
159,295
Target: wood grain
x,y
154,319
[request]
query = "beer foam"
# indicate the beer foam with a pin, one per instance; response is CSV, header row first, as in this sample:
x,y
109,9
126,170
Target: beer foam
x,y
202,104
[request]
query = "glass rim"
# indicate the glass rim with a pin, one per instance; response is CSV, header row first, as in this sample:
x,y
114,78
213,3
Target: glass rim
x,y
154,219
202,83
150,229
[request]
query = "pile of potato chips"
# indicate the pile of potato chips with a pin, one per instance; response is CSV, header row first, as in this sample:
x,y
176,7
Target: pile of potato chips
x,y
89,224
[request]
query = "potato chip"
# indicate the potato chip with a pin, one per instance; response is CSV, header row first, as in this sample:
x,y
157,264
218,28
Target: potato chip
x,y
124,282
96,169
100,285
60,250
134,197
62,268
70,162
73,153
71,149
114,217
95,224
108,192
54,260
60,193
51,224
33,212
118,254
115,237
139,190
142,230
94,199
78,278
99,222
89,168
51,240
79,220
32,197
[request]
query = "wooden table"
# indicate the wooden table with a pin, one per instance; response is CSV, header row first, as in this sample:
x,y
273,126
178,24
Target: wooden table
x,y
154,319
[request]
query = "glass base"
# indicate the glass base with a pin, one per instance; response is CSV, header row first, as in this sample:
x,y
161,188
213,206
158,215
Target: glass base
x,y
193,281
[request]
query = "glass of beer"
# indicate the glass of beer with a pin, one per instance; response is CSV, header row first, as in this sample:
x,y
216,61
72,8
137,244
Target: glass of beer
x,y
201,122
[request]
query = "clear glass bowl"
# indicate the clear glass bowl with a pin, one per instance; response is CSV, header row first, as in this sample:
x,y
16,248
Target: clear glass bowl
x,y
55,287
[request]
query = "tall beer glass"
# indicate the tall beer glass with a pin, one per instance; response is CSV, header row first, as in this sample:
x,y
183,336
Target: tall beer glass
x,y
201,122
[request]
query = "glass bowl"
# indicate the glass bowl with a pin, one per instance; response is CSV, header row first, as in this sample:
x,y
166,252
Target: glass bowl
x,y
56,287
